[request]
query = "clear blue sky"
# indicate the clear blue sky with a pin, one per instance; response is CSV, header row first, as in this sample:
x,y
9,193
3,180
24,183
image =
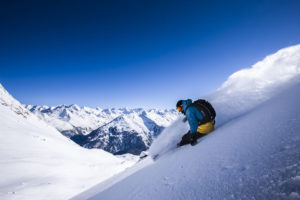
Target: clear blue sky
x,y
135,53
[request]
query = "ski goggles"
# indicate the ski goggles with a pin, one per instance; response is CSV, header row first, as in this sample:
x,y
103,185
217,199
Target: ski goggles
x,y
179,109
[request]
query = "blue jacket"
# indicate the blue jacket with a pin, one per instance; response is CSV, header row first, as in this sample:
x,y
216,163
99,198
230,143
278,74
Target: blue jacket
x,y
192,114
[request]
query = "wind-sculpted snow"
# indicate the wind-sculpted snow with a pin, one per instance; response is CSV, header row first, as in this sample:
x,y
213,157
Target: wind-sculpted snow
x,y
249,87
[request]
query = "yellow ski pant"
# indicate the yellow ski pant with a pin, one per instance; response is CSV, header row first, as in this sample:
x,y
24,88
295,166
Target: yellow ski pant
x,y
206,128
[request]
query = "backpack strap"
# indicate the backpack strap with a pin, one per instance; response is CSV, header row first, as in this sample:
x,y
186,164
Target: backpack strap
x,y
201,110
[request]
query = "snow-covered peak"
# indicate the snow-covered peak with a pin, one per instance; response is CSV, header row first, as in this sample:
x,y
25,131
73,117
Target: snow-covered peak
x,y
128,122
73,120
131,132
74,107
99,108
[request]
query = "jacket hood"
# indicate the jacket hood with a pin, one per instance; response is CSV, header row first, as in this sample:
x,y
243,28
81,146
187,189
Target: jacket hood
x,y
185,104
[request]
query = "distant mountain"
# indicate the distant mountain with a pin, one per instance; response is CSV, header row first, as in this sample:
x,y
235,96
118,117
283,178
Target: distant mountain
x,y
74,120
115,130
128,133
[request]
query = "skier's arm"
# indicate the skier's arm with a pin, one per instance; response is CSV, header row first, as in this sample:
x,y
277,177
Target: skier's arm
x,y
193,122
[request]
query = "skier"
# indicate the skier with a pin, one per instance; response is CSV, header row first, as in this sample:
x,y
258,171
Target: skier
x,y
201,117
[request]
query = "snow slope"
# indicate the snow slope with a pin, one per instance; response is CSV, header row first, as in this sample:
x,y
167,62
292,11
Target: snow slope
x,y
243,91
249,87
37,162
253,154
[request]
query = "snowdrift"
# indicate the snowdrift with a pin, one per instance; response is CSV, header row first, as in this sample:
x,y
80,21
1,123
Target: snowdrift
x,y
249,87
253,153
37,162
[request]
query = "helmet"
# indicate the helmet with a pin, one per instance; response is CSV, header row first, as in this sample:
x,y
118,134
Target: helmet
x,y
179,103
179,106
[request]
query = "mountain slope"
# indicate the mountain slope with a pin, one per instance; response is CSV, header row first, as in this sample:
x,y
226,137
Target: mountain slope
x,y
37,162
253,153
256,156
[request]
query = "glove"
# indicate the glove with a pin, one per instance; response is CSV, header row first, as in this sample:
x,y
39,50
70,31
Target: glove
x,y
186,139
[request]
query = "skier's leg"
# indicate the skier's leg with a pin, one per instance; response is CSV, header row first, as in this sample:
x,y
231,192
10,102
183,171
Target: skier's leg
x,y
195,137
186,139
199,135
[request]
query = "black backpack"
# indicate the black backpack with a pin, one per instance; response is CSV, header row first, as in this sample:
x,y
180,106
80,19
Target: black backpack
x,y
206,109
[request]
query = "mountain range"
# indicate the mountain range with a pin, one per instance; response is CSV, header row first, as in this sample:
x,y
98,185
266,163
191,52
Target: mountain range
x,y
117,131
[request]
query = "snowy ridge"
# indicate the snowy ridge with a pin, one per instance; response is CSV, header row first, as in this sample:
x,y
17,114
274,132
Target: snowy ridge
x,y
38,162
249,87
74,120
253,153
7,100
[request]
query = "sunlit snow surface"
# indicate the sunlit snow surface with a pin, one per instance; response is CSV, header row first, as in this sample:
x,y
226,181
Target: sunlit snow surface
x,y
253,154
37,162
247,88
